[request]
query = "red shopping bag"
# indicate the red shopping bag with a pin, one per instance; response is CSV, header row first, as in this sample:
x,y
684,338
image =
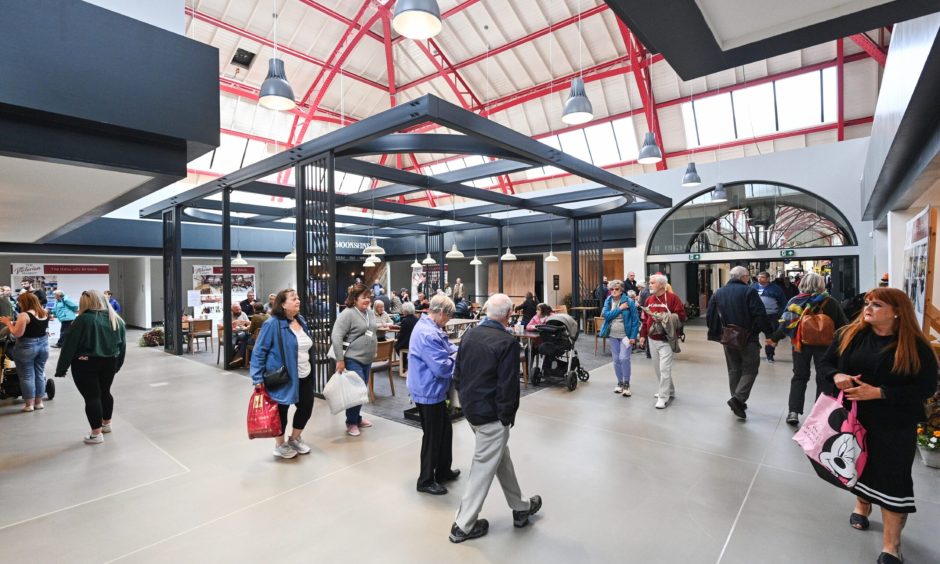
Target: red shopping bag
x,y
263,419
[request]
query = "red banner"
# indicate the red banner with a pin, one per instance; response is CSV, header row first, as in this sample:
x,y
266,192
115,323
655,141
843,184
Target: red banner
x,y
76,269
235,270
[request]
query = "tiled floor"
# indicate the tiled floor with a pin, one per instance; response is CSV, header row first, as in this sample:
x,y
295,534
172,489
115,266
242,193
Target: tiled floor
x,y
621,481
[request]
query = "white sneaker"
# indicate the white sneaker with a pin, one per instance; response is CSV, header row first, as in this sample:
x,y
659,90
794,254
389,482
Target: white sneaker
x,y
661,403
299,445
285,451
618,389
93,439
106,428
656,395
626,392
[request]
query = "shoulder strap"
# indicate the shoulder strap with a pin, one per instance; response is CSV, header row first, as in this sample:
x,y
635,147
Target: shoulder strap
x,y
280,341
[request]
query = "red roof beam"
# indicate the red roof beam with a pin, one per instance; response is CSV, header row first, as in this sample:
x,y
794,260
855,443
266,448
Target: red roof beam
x,y
340,18
644,85
456,9
869,46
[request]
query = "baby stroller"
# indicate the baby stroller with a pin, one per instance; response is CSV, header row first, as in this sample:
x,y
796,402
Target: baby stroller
x,y
556,357
9,379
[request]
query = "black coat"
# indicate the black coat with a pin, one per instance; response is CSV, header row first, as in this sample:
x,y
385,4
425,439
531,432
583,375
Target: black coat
x,y
739,305
407,325
487,375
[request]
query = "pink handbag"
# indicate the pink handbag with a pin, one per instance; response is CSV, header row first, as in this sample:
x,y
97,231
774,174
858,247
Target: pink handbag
x,y
834,441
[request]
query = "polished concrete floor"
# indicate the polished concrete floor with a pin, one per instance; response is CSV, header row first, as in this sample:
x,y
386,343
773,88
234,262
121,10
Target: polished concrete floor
x,y
179,481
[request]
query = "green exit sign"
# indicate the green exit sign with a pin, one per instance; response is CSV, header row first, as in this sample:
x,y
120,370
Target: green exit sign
x,y
695,257
788,253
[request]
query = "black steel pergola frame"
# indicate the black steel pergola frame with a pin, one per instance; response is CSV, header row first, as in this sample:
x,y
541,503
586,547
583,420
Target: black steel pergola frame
x,y
509,150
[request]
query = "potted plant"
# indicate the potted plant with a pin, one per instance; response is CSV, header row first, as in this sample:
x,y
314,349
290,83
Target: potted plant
x,y
928,442
152,338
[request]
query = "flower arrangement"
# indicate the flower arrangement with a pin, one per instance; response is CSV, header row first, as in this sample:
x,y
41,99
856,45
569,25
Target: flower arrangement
x,y
153,338
928,437
691,310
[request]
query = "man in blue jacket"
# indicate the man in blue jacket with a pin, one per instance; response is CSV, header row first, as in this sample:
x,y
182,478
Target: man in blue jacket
x,y
431,370
736,303
775,303
487,380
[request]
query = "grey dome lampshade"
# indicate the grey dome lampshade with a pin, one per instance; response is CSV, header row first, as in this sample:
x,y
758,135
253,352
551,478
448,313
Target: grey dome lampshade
x,y
691,178
276,93
578,108
417,19
649,152
719,194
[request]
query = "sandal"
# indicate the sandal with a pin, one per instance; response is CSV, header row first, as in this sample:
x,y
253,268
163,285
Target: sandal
x,y
859,521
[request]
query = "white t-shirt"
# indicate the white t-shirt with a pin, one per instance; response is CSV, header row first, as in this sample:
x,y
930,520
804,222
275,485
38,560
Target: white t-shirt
x,y
303,352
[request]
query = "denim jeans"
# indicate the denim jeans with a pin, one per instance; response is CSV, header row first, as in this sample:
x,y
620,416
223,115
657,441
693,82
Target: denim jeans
x,y
352,414
621,350
30,356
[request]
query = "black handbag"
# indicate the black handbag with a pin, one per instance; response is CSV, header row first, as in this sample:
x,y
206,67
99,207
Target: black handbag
x,y
280,377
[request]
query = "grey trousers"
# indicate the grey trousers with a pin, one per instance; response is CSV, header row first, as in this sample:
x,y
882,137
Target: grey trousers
x,y
742,369
490,458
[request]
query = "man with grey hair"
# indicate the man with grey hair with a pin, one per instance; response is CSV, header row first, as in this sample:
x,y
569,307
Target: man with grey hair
x,y
629,284
659,304
487,381
738,304
774,300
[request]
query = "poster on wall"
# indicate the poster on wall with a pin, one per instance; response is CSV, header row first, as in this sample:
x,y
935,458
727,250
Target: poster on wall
x,y
916,258
207,280
73,279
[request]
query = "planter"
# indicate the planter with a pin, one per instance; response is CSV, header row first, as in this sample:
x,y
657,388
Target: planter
x,y
930,457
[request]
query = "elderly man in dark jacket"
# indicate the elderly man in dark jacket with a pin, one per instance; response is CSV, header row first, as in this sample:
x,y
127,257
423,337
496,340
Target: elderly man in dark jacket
x,y
487,381
737,303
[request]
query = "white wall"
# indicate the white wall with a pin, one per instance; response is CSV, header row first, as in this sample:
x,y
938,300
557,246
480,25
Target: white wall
x,y
156,290
563,269
136,297
168,14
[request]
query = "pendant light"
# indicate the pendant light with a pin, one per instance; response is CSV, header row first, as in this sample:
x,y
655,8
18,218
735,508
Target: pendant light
x,y
373,248
578,108
276,93
292,255
368,264
238,260
649,152
454,252
429,260
719,194
476,261
416,264
508,255
551,245
691,179
374,258
417,19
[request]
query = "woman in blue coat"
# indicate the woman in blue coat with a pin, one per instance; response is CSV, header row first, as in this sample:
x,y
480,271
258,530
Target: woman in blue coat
x,y
286,331
621,325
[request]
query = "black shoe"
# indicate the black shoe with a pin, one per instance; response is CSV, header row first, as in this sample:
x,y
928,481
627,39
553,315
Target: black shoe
x,y
521,518
448,476
433,488
480,528
793,418
737,408
887,558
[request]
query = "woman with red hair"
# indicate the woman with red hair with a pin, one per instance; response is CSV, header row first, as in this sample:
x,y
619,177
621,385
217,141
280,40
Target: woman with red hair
x,y
883,361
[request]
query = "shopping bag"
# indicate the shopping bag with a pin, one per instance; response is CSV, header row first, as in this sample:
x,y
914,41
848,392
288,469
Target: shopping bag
x,y
344,390
834,441
263,419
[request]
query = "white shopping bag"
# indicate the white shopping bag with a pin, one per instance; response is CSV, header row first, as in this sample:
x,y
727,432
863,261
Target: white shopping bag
x,y
344,390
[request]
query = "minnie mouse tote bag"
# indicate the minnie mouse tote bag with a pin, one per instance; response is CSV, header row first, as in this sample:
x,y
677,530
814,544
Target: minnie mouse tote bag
x,y
834,441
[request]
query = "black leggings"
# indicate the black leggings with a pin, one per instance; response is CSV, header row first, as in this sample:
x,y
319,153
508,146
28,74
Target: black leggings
x,y
304,406
93,377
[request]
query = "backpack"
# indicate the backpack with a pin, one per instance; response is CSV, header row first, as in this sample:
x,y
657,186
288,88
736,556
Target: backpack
x,y
815,327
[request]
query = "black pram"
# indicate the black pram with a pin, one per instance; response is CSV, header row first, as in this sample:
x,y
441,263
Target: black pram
x,y
9,379
556,356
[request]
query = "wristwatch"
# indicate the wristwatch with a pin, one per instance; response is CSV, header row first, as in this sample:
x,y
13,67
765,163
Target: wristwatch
x,y
882,390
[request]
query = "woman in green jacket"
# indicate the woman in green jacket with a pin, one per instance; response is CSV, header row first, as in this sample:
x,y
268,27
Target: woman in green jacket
x,y
94,348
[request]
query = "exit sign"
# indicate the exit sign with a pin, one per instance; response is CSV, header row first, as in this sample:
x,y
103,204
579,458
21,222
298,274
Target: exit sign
x,y
788,253
695,257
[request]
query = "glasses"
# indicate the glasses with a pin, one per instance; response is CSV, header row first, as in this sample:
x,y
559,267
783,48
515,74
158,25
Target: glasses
x,y
616,290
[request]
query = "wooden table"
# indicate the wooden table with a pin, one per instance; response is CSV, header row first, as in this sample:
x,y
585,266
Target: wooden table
x,y
582,315
458,327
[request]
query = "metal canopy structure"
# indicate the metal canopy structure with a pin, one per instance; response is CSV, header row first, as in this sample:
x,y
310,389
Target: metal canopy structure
x,y
318,208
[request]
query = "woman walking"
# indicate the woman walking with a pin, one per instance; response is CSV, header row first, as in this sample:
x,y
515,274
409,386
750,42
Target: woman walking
x,y
354,344
32,349
883,361
621,325
94,348
284,341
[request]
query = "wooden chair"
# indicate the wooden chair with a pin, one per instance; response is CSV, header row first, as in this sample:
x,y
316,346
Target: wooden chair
x,y
400,363
200,329
219,334
382,363
598,323
590,325
251,347
524,361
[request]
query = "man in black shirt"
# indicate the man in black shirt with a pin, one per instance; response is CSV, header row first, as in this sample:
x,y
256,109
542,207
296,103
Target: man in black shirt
x,y
248,305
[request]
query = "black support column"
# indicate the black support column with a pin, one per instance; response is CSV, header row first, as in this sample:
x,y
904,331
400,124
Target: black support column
x,y
575,265
172,281
226,341
499,255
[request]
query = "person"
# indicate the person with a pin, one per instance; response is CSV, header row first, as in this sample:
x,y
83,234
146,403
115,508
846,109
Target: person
x,y
487,380
789,290
376,289
111,300
405,295
405,328
662,302
737,303
448,291
247,304
286,330
94,349
630,284
64,310
32,349
458,291
812,297
527,308
621,325
356,326
383,321
257,320
240,335
601,292
432,358
543,312
395,309
382,297
6,304
270,305
421,302
883,361
39,291
775,301
423,287
642,296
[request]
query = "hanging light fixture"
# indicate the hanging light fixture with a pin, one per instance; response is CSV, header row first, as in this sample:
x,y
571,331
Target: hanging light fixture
x,y
691,179
276,93
719,194
368,264
374,258
373,248
416,264
417,19
578,108
454,253
551,244
429,260
238,260
475,261
508,255
649,152
292,255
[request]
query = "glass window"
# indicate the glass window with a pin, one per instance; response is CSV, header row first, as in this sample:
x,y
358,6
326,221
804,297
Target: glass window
x,y
575,144
830,95
798,101
626,139
715,120
688,121
603,144
754,111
